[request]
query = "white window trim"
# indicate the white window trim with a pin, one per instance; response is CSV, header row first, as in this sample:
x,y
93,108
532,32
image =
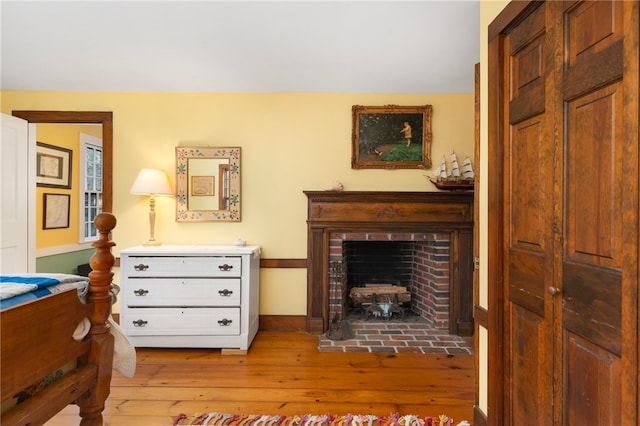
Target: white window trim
x,y
84,141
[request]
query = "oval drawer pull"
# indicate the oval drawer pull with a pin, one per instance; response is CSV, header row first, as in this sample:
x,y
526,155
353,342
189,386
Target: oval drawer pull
x,y
225,322
141,267
140,292
225,292
140,323
225,267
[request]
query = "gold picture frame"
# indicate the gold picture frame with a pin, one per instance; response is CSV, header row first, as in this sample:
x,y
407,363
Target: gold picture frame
x,y
391,137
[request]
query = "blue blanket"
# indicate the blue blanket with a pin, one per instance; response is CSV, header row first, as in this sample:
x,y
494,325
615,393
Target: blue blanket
x,y
17,289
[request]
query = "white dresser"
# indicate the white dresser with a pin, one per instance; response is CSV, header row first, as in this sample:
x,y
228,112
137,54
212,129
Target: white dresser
x,y
190,296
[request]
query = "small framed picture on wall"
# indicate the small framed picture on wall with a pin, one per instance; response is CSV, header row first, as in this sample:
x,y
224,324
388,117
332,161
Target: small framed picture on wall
x,y
53,166
203,186
56,211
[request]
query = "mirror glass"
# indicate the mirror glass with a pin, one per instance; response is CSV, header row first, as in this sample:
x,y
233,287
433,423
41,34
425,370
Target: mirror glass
x,y
207,184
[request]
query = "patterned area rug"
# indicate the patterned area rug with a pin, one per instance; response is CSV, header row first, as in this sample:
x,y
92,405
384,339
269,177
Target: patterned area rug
x,y
225,419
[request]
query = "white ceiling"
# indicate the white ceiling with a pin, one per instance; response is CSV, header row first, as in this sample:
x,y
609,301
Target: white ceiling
x,y
240,46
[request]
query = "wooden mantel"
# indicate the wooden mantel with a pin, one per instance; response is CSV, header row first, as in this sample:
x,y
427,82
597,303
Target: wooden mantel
x,y
374,211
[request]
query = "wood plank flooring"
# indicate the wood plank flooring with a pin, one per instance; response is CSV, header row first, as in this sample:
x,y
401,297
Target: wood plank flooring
x,y
284,373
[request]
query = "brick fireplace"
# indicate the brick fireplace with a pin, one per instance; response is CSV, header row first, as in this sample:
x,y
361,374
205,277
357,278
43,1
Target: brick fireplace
x,y
432,229
418,261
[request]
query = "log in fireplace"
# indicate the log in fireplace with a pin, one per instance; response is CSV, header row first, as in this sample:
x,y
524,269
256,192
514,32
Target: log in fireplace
x,y
398,215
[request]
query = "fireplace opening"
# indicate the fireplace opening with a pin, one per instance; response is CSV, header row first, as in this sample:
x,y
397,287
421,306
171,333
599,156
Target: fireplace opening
x,y
378,275
378,262
390,276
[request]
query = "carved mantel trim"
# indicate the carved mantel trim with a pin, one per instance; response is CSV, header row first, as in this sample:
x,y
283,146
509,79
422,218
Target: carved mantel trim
x,y
379,211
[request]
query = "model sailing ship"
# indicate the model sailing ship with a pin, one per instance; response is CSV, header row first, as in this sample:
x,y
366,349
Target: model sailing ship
x,y
453,179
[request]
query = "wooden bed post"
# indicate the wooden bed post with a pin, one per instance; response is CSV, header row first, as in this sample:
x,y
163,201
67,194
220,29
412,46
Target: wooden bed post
x,y
101,353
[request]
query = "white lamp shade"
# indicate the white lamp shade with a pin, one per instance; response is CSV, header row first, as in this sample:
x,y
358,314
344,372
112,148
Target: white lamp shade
x,y
151,181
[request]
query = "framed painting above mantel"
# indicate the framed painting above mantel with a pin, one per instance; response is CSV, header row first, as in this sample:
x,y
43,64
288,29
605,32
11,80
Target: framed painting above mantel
x,y
391,137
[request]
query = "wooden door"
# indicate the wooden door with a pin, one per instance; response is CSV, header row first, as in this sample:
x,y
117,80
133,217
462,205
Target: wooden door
x,y
600,194
529,212
566,135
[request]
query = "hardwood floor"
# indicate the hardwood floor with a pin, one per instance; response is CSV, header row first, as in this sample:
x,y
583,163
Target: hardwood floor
x,y
283,373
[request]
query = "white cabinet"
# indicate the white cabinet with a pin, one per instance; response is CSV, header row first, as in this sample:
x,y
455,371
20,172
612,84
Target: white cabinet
x,y
190,296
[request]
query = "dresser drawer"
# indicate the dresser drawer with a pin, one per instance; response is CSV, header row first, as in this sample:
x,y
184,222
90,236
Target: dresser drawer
x,y
182,292
187,266
182,321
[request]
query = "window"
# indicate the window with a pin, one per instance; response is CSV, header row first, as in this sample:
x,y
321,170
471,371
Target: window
x,y
90,185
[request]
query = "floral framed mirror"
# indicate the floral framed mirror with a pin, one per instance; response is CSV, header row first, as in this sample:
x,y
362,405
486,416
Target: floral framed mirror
x,y
207,184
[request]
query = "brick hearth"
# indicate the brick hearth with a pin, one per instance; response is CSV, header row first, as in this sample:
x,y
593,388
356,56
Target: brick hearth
x,y
398,337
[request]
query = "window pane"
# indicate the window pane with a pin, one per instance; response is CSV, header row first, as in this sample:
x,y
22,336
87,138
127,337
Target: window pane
x,y
98,163
92,192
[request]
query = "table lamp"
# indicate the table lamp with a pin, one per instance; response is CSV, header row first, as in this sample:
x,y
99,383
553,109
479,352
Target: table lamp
x,y
151,182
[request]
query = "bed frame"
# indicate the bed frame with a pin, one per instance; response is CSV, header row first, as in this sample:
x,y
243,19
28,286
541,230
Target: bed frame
x,y
37,341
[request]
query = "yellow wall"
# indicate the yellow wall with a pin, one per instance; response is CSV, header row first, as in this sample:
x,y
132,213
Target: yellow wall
x,y
489,9
64,136
290,143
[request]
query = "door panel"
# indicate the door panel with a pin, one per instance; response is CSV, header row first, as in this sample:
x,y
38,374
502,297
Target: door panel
x,y
594,156
592,393
593,217
591,28
527,280
527,186
530,378
592,304
526,67
528,232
